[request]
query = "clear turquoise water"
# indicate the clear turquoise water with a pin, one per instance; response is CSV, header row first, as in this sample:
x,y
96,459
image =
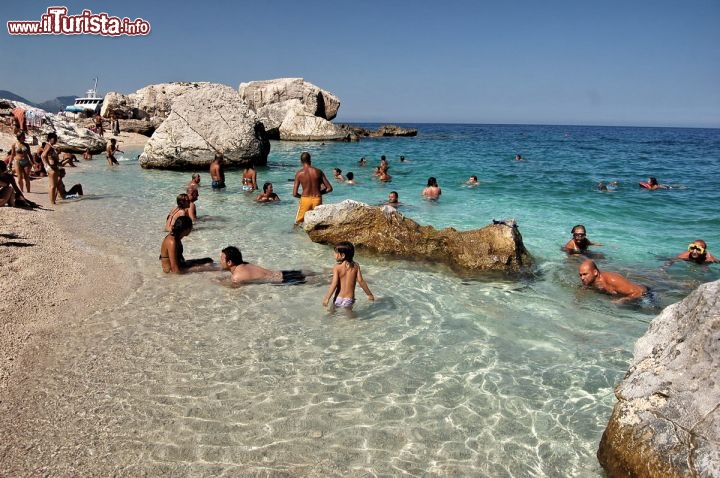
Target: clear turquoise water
x,y
441,376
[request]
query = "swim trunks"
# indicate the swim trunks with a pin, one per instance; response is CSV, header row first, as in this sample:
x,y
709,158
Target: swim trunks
x,y
649,299
218,184
247,188
345,302
293,277
307,203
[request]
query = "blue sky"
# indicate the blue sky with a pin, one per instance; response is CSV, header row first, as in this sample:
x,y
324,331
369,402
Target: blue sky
x,y
645,63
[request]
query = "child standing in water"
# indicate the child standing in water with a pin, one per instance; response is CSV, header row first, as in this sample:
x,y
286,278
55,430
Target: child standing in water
x,y
346,274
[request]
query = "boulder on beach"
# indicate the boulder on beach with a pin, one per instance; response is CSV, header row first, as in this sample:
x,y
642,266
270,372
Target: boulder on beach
x,y
202,122
383,230
73,137
152,101
666,422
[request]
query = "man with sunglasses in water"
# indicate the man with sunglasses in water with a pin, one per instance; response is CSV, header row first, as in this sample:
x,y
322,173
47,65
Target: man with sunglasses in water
x,y
696,252
579,243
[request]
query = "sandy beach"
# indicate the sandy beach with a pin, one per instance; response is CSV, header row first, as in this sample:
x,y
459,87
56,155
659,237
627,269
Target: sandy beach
x,y
49,281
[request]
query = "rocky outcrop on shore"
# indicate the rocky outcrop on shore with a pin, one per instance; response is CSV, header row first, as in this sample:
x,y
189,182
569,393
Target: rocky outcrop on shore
x,y
385,130
497,247
73,137
293,109
204,121
666,422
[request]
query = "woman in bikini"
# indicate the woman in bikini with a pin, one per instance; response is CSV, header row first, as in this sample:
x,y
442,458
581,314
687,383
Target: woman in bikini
x,y
249,179
183,204
52,161
21,161
171,250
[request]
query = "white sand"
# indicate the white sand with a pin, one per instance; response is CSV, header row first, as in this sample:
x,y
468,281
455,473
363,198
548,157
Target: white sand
x,y
47,280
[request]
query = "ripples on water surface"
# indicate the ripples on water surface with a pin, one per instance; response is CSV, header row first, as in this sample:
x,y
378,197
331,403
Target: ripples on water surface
x,y
442,375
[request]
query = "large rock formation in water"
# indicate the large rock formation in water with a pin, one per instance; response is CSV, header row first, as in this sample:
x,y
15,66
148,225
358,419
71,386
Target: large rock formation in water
x,y
204,121
666,422
293,109
497,247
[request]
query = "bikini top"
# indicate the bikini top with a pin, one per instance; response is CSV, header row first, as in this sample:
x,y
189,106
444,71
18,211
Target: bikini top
x,y
20,148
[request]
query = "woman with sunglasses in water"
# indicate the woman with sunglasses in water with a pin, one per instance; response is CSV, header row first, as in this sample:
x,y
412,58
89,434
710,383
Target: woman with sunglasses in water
x,y
579,243
696,252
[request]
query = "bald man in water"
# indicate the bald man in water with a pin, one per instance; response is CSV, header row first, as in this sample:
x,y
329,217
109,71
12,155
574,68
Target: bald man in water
x,y
610,282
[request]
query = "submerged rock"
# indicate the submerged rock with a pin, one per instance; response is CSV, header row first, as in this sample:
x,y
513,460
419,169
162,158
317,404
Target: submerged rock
x,y
666,422
202,122
497,247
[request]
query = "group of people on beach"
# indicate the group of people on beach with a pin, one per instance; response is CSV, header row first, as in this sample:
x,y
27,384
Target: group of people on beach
x,y
26,165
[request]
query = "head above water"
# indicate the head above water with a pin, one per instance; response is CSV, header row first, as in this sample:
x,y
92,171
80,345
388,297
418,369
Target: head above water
x,y
183,201
350,176
588,271
233,255
652,181
346,249
182,224
432,182
267,187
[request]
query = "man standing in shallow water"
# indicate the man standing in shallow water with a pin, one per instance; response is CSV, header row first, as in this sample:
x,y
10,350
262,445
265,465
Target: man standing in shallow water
x,y
314,184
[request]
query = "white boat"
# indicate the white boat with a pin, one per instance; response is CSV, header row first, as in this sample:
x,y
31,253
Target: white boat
x,y
88,104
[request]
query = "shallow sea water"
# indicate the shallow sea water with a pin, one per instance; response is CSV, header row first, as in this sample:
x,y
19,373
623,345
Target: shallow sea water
x,y
441,375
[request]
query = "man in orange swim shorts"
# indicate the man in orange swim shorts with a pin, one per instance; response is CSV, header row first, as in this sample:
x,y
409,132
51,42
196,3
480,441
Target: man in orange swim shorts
x,y
314,184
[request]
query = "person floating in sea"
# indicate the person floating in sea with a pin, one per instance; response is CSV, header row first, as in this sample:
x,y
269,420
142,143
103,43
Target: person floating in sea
x,y
314,184
652,184
432,190
350,178
362,161
518,157
607,187
472,181
393,199
614,284
337,174
111,150
242,272
171,250
346,274
267,195
696,252
579,243
217,174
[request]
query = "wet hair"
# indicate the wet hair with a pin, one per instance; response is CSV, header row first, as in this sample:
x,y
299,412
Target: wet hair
x,y
233,254
52,135
382,158
266,186
394,192
474,178
347,249
196,176
183,223
402,158
577,226
652,181
350,176
701,242
183,200
337,170
432,181
305,157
